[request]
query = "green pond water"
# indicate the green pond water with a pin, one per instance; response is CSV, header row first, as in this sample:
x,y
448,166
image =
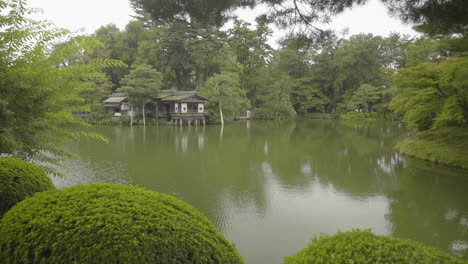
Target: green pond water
x,y
271,186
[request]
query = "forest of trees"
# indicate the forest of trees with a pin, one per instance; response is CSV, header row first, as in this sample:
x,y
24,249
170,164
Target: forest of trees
x,y
48,74
303,75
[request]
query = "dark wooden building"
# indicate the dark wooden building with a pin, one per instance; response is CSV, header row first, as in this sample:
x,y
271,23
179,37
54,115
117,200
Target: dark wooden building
x,y
179,107
176,107
117,105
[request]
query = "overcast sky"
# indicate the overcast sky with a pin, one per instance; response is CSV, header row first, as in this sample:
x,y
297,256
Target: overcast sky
x,y
87,15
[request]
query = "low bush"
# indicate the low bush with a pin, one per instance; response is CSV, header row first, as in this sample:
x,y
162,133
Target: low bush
x,y
105,223
362,247
18,180
446,146
353,115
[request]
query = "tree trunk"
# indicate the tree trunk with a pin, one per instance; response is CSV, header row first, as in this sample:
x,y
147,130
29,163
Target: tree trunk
x,y
131,116
144,115
221,115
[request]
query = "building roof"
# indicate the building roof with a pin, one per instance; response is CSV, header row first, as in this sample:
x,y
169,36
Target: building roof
x,y
116,99
164,95
186,98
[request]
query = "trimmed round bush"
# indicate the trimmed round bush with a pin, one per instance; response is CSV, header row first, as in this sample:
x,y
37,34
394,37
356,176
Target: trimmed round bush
x,y
20,179
106,223
362,247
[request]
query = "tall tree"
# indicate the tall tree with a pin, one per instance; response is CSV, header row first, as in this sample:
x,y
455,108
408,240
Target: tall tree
x,y
227,98
214,12
433,95
141,85
422,50
432,17
365,97
274,97
37,87
252,52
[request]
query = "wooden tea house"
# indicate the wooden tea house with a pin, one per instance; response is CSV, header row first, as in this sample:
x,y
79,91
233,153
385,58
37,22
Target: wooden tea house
x,y
179,107
117,105
175,107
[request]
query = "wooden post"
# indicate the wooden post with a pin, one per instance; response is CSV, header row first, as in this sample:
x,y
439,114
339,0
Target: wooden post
x,y
203,121
181,122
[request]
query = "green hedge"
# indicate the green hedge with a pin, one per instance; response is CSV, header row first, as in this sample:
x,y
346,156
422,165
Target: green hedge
x,y
362,247
18,180
105,223
353,115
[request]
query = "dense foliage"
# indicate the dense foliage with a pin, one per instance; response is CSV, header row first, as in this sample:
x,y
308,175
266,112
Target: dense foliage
x,y
227,99
433,17
141,85
433,95
44,75
18,180
364,247
104,223
446,145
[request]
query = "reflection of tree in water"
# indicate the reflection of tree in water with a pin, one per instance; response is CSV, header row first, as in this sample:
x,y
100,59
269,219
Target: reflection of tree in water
x,y
203,168
430,205
243,168
359,160
349,158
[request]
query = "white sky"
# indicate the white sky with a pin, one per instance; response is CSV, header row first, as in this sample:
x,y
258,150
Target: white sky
x,y
85,16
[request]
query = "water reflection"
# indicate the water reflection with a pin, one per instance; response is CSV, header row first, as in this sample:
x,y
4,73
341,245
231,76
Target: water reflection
x,y
270,186
201,142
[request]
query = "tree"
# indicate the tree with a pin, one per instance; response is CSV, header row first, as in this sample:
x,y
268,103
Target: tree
x,y
394,49
37,87
274,97
212,12
252,52
422,50
141,85
309,96
227,98
433,95
432,17
364,98
92,88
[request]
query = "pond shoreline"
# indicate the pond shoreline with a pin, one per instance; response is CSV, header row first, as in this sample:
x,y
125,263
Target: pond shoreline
x,y
445,147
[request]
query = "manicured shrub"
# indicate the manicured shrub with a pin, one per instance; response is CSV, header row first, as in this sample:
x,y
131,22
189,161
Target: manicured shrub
x,y
18,180
363,247
105,223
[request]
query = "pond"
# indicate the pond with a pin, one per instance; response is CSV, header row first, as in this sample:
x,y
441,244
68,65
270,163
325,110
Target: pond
x,y
271,186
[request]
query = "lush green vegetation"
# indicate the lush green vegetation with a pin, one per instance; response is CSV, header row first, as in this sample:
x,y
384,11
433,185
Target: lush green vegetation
x,y
46,75
364,247
447,146
432,98
104,223
141,85
238,70
18,180
50,77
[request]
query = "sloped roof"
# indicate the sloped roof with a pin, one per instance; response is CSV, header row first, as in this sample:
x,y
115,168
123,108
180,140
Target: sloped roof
x,y
185,97
164,95
174,95
115,99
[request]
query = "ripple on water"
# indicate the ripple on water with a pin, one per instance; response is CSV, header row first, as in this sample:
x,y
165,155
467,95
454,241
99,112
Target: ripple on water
x,y
86,172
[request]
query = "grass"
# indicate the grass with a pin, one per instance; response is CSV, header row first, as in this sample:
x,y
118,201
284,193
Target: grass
x,y
447,146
